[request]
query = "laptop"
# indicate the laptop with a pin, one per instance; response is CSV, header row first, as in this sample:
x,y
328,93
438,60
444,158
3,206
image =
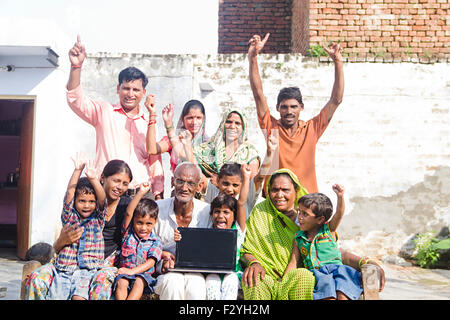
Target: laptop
x,y
206,250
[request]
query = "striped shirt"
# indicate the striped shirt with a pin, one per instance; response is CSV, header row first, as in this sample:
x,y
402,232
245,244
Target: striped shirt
x,y
88,252
136,251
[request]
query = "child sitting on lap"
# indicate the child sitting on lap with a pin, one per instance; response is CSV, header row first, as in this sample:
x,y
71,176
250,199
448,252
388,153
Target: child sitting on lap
x,y
141,248
84,205
315,244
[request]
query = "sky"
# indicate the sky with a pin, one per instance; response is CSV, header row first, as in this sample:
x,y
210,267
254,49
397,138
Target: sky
x,y
133,26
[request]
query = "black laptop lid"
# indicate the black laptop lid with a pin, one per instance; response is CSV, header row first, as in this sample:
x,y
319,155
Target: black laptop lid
x,y
206,248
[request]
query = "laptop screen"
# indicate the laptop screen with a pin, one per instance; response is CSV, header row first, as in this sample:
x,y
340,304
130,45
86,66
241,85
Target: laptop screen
x,y
206,248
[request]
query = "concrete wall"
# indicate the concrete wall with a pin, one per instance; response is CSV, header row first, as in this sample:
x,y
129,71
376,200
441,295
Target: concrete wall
x,y
387,143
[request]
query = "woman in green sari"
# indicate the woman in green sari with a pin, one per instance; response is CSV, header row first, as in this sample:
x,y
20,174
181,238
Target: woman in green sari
x,y
229,144
268,245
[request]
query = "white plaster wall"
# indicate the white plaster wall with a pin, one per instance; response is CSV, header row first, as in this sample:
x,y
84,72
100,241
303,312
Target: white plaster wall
x,y
387,143
58,133
388,138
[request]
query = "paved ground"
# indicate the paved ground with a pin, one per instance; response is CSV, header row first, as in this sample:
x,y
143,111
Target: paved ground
x,y
402,283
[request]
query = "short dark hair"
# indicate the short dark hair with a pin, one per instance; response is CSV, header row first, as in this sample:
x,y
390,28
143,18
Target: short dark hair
x,y
224,200
146,207
319,204
131,74
230,169
116,166
290,93
84,186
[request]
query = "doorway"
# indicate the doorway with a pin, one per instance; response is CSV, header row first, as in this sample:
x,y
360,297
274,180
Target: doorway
x,y
16,148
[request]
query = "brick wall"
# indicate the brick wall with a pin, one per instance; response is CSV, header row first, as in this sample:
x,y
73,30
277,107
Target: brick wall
x,y
240,19
369,30
400,30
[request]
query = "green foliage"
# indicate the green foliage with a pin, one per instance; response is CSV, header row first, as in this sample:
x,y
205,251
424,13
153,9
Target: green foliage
x,y
442,245
427,255
317,51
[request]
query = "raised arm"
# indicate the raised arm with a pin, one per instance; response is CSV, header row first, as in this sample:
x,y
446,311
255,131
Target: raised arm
x,y
151,145
79,164
76,57
264,170
243,195
256,45
167,114
335,52
340,208
143,189
187,154
91,174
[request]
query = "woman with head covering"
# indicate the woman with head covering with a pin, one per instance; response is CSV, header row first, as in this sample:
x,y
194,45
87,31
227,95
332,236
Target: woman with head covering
x,y
229,144
268,245
191,122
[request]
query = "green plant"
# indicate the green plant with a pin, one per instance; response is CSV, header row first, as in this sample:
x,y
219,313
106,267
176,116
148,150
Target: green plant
x,y
427,254
442,245
317,51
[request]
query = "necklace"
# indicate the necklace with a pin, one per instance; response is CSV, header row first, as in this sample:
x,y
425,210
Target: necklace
x,y
111,210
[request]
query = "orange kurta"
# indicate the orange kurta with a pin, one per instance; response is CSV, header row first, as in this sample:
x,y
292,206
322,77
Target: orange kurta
x,y
298,152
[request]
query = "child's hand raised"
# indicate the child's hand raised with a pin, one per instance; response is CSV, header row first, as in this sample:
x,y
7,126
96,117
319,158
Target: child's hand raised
x,y
145,187
339,190
79,161
246,171
91,171
176,235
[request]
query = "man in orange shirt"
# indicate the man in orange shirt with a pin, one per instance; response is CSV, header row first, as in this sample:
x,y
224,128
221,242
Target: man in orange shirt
x,y
297,139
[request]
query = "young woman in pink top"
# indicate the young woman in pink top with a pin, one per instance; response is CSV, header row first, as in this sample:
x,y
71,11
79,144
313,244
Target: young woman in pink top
x,y
192,120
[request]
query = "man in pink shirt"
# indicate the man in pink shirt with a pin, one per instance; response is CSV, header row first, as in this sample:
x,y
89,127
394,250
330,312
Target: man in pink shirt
x,y
121,128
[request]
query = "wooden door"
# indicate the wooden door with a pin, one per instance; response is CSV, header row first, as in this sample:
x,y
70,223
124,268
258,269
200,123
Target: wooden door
x,y
25,179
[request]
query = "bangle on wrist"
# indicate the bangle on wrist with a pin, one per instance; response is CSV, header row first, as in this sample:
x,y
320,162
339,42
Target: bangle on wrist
x,y
151,122
363,261
169,128
75,66
249,263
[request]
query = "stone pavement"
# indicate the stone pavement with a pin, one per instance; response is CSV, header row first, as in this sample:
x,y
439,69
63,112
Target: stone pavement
x,y
402,283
